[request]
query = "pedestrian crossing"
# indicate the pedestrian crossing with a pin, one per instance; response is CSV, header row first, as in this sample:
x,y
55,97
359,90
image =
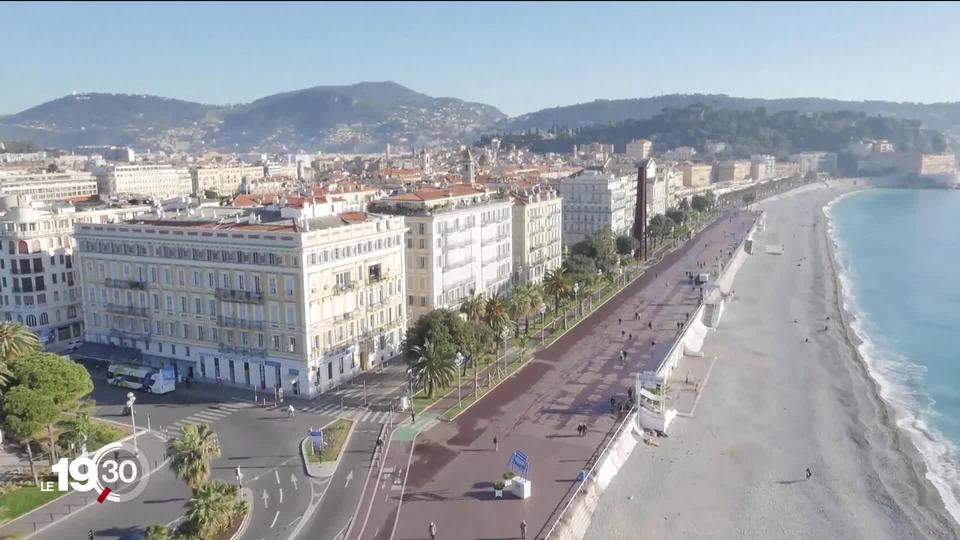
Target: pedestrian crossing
x,y
348,413
209,415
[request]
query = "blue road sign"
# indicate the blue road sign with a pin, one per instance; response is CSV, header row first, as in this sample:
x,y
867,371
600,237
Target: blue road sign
x,y
316,436
519,463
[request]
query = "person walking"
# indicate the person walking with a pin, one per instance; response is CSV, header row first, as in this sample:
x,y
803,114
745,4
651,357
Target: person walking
x,y
433,530
809,473
413,417
650,325
496,444
620,321
523,530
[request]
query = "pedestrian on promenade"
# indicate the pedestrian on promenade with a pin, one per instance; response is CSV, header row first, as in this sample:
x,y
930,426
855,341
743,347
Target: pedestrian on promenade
x,y
650,325
433,530
636,316
413,417
523,530
630,337
653,343
623,333
620,321
496,444
809,473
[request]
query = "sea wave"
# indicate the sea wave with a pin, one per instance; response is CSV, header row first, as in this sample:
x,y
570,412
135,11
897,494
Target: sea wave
x,y
900,382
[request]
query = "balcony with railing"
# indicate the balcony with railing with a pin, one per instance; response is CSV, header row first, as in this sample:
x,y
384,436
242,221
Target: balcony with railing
x,y
258,352
127,310
133,334
449,245
236,295
125,284
234,322
450,266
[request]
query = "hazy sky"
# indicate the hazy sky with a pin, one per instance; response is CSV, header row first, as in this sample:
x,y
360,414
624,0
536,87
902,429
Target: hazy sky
x,y
518,57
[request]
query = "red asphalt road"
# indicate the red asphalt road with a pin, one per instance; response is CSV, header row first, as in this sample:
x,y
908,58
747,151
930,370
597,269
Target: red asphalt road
x,y
537,410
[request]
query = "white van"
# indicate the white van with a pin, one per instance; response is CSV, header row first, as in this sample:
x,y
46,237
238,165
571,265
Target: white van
x,y
702,278
145,378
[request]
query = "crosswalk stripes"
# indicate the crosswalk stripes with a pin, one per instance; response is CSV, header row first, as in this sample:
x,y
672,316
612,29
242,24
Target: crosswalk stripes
x,y
209,415
358,415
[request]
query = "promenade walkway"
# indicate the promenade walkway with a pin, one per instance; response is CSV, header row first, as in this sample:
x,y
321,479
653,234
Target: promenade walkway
x,y
453,464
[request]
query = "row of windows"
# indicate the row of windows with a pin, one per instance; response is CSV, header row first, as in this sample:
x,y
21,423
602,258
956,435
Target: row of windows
x,y
193,278
71,295
183,253
33,321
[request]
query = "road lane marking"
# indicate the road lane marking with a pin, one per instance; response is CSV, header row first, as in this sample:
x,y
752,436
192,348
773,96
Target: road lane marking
x,y
277,474
349,478
275,516
281,497
265,498
293,480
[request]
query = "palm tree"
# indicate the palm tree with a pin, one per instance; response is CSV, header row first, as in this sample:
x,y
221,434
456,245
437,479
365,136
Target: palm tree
x,y
156,532
213,508
519,305
557,284
80,434
473,308
431,369
498,317
16,340
191,453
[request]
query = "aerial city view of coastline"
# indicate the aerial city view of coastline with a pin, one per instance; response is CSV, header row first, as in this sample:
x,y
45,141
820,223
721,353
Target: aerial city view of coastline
x,y
479,270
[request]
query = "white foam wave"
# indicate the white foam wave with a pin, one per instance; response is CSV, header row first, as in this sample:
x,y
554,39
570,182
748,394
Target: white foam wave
x,y
900,383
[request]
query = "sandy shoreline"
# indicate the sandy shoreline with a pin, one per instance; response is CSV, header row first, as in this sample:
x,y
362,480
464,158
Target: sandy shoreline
x,y
783,396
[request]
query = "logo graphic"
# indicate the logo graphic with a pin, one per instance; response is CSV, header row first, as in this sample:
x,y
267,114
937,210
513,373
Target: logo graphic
x,y
114,477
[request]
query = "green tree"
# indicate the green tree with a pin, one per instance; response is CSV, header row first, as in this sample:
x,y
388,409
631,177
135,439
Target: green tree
x,y
476,340
64,380
431,368
711,199
211,194
473,307
80,432
25,412
558,285
627,245
684,205
605,247
699,203
585,248
497,314
442,327
156,532
17,340
212,508
191,454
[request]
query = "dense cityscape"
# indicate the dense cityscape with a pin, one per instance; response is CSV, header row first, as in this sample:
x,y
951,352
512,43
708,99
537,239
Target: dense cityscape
x,y
360,312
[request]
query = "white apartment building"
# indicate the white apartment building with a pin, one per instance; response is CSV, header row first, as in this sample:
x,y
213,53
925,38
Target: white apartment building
x,y
39,284
249,299
458,244
160,180
52,187
593,200
537,233
226,179
639,149
656,189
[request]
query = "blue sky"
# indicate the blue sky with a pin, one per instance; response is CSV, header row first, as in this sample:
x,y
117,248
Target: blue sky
x,y
519,57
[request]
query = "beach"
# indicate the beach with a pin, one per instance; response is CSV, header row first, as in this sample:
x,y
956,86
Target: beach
x,y
788,392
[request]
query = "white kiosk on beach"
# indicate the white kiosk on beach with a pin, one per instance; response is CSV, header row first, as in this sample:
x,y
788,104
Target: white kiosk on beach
x,y
652,411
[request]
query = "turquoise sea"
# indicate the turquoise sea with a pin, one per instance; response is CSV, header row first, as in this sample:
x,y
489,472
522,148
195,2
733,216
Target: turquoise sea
x,y
899,253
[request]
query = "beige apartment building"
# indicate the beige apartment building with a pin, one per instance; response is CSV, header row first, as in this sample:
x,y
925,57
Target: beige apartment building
x,y
733,170
225,179
160,180
458,244
39,285
696,174
537,238
639,149
249,299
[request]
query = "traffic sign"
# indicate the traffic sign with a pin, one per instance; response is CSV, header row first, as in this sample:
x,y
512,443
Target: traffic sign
x,y
519,463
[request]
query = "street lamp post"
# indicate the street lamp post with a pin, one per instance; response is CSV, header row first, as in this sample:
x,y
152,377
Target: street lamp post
x,y
239,477
131,399
576,296
543,319
459,362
